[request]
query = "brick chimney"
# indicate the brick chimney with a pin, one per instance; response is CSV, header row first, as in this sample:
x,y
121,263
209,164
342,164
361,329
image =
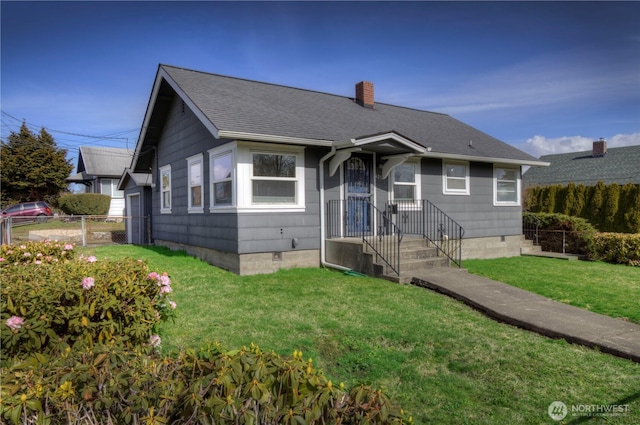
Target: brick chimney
x,y
599,147
364,94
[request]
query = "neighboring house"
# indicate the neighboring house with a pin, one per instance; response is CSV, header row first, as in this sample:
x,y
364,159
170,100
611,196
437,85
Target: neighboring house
x,y
613,165
137,205
99,170
254,177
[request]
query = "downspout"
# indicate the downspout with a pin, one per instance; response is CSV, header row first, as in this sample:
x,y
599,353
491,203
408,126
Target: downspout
x,y
323,260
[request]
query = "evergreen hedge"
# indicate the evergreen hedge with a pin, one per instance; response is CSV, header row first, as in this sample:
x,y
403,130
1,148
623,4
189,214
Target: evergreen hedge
x,y
85,204
609,208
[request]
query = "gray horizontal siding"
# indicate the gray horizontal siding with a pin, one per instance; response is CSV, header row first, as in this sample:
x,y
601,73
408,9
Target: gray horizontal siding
x,y
475,212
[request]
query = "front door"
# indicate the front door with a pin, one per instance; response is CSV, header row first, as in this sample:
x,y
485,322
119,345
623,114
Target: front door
x,y
358,170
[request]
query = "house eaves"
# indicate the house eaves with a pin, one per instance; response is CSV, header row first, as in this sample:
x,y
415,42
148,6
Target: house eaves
x,y
496,160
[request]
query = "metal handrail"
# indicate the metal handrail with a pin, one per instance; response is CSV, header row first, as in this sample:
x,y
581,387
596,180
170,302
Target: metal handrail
x,y
425,219
385,243
531,231
378,232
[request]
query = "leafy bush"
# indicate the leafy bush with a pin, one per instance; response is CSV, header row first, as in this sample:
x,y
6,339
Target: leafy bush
x,y
557,229
85,204
620,248
211,385
49,306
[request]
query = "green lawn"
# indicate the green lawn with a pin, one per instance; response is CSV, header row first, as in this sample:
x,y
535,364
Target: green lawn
x,y
604,288
442,361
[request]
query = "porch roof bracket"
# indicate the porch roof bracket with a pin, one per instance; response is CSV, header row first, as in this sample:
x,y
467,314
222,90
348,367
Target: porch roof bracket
x,y
392,162
340,157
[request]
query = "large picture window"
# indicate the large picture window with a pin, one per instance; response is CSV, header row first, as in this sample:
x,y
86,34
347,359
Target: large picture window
x,y
406,183
455,178
165,189
274,178
194,166
222,176
506,186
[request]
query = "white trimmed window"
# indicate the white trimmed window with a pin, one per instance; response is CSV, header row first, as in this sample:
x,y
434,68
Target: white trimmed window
x,y
506,186
194,171
165,189
406,182
110,187
455,178
222,171
270,177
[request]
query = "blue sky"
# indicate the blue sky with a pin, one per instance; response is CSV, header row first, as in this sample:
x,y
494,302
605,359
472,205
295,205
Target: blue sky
x,y
546,77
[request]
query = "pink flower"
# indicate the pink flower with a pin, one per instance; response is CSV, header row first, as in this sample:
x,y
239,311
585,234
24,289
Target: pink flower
x,y
68,247
27,254
153,276
10,252
38,262
173,305
88,282
2,259
91,259
23,247
166,289
39,255
15,322
164,280
154,340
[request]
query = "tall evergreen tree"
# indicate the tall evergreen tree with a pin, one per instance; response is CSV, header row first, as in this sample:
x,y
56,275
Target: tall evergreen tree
x,y
33,167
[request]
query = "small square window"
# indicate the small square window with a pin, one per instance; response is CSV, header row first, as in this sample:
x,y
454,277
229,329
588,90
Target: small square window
x,y
455,178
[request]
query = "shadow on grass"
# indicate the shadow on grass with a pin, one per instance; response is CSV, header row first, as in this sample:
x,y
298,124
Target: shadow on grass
x,y
624,401
161,250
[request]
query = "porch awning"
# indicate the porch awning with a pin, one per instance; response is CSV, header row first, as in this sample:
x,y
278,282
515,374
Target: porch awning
x,y
391,145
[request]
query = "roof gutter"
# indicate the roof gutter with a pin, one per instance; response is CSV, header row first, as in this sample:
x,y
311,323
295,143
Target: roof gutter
x,y
485,159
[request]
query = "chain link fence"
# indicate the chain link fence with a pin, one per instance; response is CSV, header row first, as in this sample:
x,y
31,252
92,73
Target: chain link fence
x,y
81,230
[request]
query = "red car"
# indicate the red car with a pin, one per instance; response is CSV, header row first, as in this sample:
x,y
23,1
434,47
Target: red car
x,y
39,210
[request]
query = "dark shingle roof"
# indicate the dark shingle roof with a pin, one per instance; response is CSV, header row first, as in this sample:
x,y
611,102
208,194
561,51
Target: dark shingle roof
x,y
244,106
103,161
618,165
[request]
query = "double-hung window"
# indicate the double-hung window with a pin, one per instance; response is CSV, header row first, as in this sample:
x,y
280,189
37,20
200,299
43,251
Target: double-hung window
x,y
165,189
273,178
406,183
194,169
222,170
455,178
506,186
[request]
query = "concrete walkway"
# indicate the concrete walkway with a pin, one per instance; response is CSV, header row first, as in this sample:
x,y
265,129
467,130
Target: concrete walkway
x,y
534,312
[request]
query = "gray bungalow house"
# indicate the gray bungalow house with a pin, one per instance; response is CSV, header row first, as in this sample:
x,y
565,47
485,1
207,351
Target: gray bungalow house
x,y
253,177
99,170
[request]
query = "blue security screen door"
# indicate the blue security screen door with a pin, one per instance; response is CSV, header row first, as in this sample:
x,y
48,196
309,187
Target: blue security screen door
x,y
358,178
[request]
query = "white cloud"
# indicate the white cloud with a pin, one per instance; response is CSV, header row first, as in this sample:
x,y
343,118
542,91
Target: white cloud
x,y
540,145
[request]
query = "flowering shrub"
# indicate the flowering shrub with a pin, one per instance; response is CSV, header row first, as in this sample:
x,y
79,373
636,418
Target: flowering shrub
x,y
621,248
36,253
48,306
79,346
